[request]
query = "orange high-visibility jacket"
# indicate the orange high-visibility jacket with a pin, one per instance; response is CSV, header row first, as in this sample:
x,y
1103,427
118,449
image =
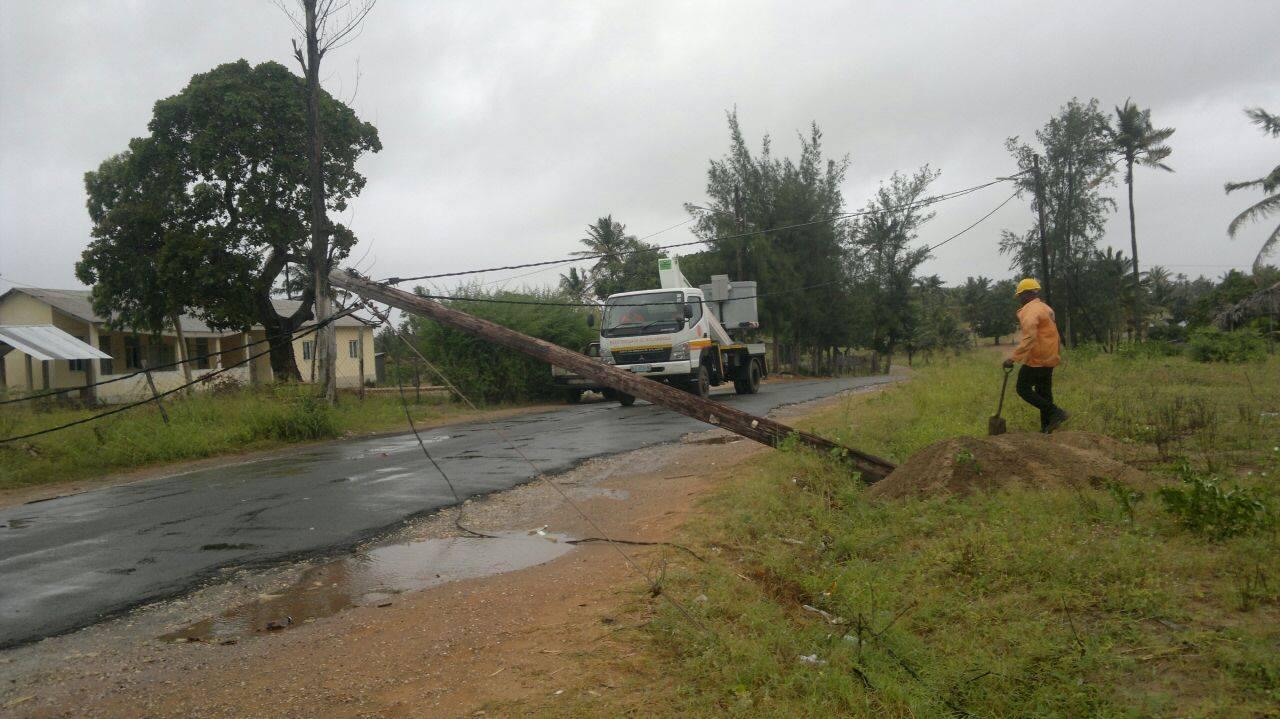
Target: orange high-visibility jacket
x,y
1039,345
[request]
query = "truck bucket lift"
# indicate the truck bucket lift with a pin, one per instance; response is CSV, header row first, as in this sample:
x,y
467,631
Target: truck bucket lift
x,y
760,429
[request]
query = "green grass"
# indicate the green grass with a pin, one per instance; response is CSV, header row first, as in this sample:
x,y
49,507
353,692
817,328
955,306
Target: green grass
x,y
1044,603
206,425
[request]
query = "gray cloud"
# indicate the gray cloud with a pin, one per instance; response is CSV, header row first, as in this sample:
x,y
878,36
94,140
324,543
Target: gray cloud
x,y
509,126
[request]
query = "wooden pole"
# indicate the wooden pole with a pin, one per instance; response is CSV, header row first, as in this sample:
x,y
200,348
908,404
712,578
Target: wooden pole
x,y
760,429
1044,242
360,361
152,384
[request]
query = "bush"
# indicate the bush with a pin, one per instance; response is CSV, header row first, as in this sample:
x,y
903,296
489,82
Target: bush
x,y
488,373
1167,333
1202,505
1210,344
1153,349
293,419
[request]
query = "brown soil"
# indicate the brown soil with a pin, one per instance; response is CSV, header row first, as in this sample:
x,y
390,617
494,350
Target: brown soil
x,y
464,649
965,464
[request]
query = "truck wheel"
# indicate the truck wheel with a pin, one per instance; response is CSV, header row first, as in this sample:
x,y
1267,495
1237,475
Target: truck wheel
x,y
626,400
751,383
573,396
701,382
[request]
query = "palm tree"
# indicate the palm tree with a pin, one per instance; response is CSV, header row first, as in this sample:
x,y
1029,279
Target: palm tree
x,y
1270,125
576,285
608,241
1138,142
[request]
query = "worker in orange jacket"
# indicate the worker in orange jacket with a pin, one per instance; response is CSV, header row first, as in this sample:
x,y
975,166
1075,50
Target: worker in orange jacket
x,y
1038,353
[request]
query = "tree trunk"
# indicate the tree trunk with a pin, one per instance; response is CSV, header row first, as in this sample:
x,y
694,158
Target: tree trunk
x,y
284,362
1133,239
326,348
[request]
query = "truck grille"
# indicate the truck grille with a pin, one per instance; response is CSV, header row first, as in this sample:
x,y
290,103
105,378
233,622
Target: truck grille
x,y
642,356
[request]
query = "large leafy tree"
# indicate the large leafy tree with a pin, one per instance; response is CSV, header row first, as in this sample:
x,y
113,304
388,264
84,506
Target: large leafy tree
x,y
1138,142
775,220
1270,185
882,240
988,307
203,214
1078,163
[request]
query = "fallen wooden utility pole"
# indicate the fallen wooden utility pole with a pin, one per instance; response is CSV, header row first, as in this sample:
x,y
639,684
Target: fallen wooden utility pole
x,y
760,429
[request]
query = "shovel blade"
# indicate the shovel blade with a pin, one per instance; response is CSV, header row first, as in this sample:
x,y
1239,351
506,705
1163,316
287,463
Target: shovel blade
x,y
996,425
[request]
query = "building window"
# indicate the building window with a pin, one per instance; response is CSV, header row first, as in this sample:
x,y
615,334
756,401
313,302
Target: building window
x,y
197,351
161,355
132,353
306,350
106,366
79,365
353,348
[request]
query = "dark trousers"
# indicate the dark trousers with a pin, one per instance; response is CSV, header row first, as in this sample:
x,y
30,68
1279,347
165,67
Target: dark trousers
x,y
1035,385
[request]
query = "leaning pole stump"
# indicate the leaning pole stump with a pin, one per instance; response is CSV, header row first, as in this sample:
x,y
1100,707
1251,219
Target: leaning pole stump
x,y
760,429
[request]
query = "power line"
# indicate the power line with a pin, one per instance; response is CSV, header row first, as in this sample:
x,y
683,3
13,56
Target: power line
x,y
494,300
539,474
833,218
188,360
179,388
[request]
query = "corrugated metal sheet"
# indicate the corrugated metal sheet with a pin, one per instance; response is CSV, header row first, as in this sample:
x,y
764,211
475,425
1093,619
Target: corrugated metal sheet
x,y
46,342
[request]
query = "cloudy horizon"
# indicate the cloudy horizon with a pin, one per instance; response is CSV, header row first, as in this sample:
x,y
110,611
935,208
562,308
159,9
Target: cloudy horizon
x,y
507,128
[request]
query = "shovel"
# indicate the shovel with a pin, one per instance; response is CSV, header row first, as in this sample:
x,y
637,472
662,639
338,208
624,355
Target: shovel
x,y
996,425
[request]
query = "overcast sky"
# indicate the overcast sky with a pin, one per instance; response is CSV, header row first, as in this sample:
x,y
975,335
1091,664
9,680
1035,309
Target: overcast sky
x,y
509,126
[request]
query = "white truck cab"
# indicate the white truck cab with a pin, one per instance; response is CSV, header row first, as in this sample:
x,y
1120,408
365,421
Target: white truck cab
x,y
675,334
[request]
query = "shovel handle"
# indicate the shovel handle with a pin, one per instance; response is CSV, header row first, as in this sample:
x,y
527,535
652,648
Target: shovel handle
x,y
1003,386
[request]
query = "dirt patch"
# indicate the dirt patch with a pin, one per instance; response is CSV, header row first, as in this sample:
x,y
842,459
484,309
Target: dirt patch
x,y
966,464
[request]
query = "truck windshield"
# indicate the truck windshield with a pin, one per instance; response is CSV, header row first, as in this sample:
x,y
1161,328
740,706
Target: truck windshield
x,y
653,313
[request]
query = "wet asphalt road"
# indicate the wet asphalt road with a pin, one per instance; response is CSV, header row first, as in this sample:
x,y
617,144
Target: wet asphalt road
x,y
70,561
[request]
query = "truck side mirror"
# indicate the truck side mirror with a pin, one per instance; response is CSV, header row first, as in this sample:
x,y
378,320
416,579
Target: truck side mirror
x,y
688,311
591,320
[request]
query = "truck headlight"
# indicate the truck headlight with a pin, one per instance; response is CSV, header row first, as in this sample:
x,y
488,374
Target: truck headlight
x,y
680,351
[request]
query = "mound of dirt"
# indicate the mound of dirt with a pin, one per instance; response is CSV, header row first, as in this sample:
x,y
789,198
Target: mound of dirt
x,y
965,464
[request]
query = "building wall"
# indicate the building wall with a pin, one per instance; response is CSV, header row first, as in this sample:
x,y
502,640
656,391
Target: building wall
x,y
20,309
348,367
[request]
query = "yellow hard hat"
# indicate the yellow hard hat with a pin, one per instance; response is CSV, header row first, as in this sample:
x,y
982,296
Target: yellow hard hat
x,y
1026,285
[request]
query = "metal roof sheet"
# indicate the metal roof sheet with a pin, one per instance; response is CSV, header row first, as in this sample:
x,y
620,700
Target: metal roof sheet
x,y
46,342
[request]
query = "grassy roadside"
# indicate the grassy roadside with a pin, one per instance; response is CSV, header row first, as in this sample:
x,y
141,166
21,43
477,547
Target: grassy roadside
x,y
206,425
1050,603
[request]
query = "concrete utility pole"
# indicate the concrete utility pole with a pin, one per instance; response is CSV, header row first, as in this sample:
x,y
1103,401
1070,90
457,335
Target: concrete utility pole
x,y
760,429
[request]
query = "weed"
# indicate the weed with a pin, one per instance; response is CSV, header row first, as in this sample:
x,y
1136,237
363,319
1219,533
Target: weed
x,y
1202,505
1125,498
1213,345
966,460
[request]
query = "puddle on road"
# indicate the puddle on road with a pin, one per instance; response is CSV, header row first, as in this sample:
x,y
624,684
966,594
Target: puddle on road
x,y
373,577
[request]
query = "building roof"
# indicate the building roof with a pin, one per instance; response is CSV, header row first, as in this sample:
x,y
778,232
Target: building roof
x,y
46,342
78,304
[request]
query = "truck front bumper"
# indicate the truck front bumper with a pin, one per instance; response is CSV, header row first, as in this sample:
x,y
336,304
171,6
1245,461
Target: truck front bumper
x,y
658,370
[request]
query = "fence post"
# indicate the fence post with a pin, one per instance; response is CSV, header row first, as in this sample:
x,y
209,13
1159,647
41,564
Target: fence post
x,y
152,384
360,363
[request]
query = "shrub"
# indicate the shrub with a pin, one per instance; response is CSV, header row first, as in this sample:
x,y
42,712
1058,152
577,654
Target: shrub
x,y
1202,505
1152,349
293,419
1210,344
487,372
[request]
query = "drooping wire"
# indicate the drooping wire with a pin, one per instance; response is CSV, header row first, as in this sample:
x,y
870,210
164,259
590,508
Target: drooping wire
x,y
179,388
832,218
539,474
156,368
624,303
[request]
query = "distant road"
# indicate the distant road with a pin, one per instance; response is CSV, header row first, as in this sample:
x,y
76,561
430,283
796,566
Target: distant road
x,y
68,562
